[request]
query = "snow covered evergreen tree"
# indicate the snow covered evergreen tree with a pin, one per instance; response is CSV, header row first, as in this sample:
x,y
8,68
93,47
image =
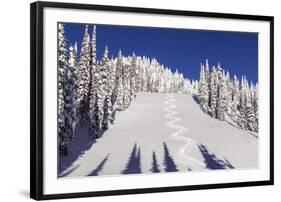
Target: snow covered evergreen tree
x,y
103,99
114,90
126,84
203,90
207,79
242,121
229,101
139,73
119,83
222,95
214,92
107,112
196,87
235,98
144,73
132,75
256,106
62,77
111,91
75,59
70,94
83,77
250,110
251,118
93,85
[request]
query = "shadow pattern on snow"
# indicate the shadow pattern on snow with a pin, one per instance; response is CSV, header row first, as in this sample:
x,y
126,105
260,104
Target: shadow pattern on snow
x,y
99,167
98,134
169,163
195,98
134,163
155,166
212,162
76,148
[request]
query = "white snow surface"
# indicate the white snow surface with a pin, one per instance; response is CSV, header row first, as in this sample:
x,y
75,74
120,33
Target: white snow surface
x,y
194,141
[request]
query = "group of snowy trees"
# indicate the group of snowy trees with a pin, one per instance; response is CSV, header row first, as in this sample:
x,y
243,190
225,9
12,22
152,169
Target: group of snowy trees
x,y
91,90
67,63
221,96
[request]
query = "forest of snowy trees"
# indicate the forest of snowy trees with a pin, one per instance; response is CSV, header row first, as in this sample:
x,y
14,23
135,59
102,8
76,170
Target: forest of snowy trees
x,y
221,96
92,91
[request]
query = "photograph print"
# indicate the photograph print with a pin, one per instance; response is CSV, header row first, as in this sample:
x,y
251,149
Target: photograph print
x,y
146,100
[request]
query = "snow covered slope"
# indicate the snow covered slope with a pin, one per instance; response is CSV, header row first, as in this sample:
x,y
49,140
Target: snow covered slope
x,y
163,133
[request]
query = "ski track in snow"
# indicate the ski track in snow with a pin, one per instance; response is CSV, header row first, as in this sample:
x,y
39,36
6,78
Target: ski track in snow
x,y
183,153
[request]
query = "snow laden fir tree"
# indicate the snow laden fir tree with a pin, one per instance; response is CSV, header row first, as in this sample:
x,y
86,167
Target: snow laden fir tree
x,y
92,91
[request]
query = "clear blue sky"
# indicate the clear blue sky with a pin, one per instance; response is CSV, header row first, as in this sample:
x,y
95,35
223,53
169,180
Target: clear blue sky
x,y
180,49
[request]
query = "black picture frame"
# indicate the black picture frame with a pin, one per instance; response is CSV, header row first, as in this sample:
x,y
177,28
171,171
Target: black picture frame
x,y
37,99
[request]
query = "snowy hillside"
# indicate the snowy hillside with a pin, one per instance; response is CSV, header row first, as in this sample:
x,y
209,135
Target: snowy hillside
x,y
161,133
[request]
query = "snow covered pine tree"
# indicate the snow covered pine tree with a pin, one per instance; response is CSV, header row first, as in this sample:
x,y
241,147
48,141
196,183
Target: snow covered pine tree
x,y
70,94
83,77
203,90
93,86
103,102
62,76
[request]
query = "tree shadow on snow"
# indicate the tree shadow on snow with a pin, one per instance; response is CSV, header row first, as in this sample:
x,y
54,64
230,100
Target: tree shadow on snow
x,y
134,163
155,166
100,133
212,162
169,163
99,168
195,98
76,148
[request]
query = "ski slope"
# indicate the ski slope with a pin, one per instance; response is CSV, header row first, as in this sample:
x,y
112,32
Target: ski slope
x,y
161,133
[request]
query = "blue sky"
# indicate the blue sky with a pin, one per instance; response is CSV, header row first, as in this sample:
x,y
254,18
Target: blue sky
x,y
180,49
